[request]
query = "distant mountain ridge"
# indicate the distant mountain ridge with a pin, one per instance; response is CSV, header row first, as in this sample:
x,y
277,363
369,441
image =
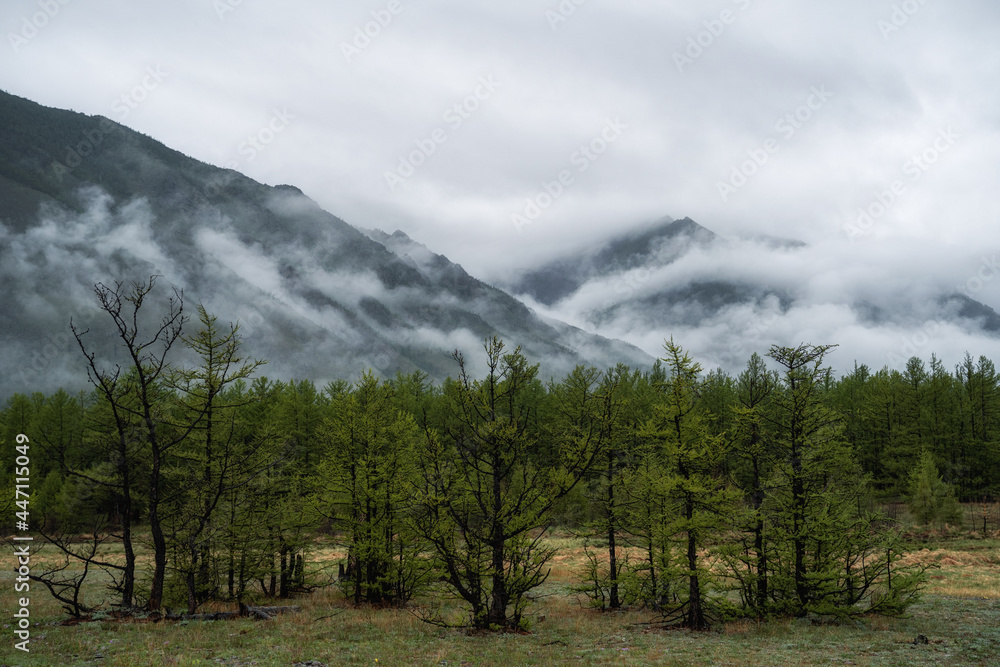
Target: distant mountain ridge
x,y
730,296
83,199
562,277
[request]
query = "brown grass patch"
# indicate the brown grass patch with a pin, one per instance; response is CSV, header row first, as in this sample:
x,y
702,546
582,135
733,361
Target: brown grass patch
x,y
972,573
953,558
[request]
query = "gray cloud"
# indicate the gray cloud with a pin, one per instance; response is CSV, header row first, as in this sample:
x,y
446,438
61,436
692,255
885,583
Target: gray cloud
x,y
896,81
880,301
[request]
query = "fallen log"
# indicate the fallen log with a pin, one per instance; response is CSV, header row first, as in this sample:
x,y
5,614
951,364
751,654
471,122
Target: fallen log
x,y
260,613
277,610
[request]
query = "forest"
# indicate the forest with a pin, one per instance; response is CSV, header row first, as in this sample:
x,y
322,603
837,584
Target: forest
x,y
703,496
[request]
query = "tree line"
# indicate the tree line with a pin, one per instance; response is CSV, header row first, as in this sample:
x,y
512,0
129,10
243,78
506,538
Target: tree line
x,y
703,496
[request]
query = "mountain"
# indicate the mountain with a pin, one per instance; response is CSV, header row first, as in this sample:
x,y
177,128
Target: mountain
x,y
665,241
85,200
725,298
629,262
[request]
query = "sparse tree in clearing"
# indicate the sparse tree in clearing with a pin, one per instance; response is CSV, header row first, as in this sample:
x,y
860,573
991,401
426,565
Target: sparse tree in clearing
x,y
649,513
483,504
588,409
645,506
138,403
130,399
694,487
830,555
804,430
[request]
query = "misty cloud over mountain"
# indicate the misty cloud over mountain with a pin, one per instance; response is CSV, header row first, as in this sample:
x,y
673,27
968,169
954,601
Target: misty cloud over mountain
x,y
87,201
725,298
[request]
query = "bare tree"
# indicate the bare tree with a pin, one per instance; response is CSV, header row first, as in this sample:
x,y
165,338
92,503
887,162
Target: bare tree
x,y
134,398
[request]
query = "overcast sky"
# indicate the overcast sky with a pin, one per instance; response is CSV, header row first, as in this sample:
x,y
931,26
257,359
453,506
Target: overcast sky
x,y
448,119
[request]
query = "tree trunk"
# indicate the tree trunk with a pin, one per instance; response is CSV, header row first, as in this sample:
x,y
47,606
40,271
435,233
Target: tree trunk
x,y
283,591
274,579
696,613
128,574
497,610
758,540
159,540
614,602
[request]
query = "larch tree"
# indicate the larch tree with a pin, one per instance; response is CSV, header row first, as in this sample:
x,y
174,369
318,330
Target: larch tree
x,y
700,496
214,461
831,555
930,497
367,489
483,505
588,410
753,460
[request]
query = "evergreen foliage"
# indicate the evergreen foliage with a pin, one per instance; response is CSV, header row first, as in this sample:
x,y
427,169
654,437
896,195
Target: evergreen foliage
x,y
368,474
931,498
702,496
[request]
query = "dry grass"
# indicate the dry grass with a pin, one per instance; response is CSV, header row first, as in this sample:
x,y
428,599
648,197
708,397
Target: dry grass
x,y
970,572
960,617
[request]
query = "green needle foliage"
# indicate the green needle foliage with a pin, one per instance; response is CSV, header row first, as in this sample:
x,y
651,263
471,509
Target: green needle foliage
x,y
368,474
829,554
696,494
931,499
485,499
701,496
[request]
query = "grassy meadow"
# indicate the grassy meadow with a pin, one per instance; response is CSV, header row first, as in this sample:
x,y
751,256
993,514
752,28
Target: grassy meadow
x,y
956,623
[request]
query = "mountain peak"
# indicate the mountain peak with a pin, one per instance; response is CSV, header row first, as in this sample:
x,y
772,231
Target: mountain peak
x,y
686,225
659,243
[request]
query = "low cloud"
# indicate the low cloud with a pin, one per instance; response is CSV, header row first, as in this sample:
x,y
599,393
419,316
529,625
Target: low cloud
x,y
881,305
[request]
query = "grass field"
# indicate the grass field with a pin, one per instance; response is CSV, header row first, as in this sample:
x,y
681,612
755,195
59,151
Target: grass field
x,y
959,618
